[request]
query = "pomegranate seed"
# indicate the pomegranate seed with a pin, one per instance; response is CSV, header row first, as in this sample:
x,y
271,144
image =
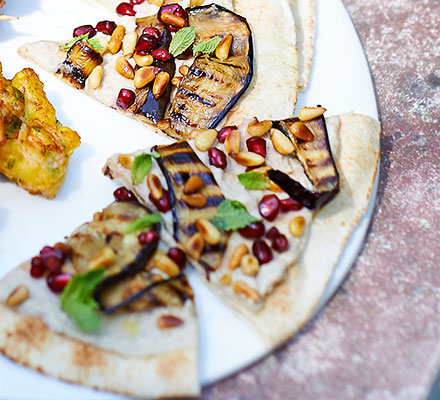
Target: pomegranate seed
x,y
150,31
57,282
134,2
106,27
37,267
173,9
269,207
123,194
280,243
126,98
290,204
262,251
52,258
224,133
164,203
145,44
125,9
257,145
253,230
272,232
178,256
161,54
83,30
148,237
217,158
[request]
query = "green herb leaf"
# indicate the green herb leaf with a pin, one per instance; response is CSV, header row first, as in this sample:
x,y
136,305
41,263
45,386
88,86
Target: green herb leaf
x,y
18,95
141,223
254,180
77,300
141,166
207,47
232,215
93,42
14,125
182,40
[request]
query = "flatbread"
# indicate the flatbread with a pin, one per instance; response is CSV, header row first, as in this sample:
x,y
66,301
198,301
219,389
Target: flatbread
x,y
304,14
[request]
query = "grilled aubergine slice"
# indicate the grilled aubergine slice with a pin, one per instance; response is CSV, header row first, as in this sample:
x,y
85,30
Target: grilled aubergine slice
x,y
178,162
312,148
212,86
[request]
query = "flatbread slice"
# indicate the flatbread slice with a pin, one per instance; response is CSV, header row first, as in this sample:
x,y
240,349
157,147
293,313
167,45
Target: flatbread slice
x,y
146,347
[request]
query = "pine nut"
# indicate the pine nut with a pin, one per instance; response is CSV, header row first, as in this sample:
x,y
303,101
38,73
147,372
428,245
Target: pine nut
x,y
95,78
309,113
129,43
17,296
196,200
125,160
155,186
115,42
124,68
296,226
195,246
205,139
242,288
64,247
172,19
256,128
236,256
233,142
103,259
184,69
281,142
195,3
226,279
158,3
144,76
160,83
250,265
249,159
168,322
274,187
193,184
300,131
209,231
194,133
98,216
143,60
176,80
222,50
164,124
165,264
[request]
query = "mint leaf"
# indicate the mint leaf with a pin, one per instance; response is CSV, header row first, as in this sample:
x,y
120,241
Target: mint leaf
x,y
93,42
182,40
232,215
254,180
141,166
141,223
207,47
77,301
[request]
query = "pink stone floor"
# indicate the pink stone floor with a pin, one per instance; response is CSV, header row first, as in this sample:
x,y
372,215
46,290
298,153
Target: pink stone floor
x,y
379,337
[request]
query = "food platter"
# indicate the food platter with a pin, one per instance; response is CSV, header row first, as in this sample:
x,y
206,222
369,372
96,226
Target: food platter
x,y
340,81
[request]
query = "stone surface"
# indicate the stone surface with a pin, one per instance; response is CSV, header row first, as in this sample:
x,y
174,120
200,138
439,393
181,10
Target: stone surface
x,y
379,338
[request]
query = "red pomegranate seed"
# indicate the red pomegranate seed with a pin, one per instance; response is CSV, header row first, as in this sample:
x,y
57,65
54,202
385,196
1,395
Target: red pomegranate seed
x,y
178,256
37,267
253,230
126,98
145,44
148,237
224,133
257,145
134,2
272,232
123,194
290,204
269,207
125,9
57,282
164,203
262,251
83,30
150,31
217,158
52,258
161,54
280,243
106,27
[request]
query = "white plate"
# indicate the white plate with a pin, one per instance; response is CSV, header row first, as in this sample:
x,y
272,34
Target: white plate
x,y
340,81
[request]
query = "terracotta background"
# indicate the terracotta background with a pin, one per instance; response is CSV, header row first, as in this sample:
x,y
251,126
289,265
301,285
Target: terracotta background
x,y
379,337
